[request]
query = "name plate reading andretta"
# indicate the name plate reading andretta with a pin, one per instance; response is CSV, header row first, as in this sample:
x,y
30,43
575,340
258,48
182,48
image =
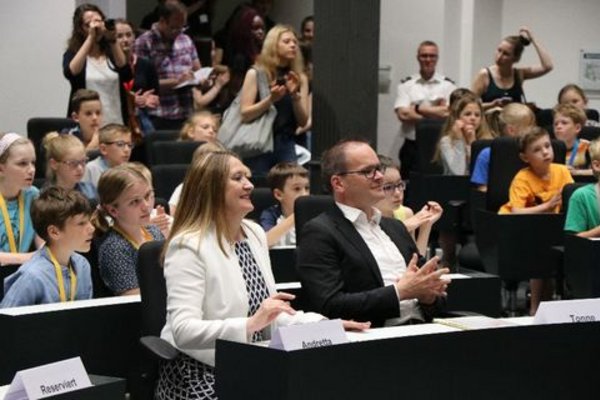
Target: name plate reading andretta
x,y
306,336
49,380
568,311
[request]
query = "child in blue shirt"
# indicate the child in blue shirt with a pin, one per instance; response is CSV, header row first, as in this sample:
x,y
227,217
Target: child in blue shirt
x,y
55,273
288,181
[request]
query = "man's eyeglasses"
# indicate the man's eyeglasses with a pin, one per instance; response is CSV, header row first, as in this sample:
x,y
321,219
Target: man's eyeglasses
x,y
75,163
390,188
121,143
368,172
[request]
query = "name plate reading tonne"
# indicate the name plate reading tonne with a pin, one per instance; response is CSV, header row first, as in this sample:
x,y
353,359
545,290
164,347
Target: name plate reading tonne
x,y
306,336
568,311
49,380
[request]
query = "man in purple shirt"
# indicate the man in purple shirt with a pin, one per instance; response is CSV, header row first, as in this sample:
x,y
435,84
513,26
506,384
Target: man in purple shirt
x,y
175,58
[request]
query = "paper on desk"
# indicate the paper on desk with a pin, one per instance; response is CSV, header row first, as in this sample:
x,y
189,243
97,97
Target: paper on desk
x,y
474,322
199,76
288,285
399,331
455,276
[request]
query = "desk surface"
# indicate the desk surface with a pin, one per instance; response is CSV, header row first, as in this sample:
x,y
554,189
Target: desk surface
x,y
532,362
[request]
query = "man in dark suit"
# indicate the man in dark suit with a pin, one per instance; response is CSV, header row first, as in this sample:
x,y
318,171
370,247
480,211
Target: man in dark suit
x,y
353,263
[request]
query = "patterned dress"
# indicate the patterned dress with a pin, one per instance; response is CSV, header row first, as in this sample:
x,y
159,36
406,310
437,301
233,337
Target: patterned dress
x,y
188,378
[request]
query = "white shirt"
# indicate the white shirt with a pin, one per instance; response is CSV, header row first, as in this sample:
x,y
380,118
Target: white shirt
x,y
390,261
416,90
101,78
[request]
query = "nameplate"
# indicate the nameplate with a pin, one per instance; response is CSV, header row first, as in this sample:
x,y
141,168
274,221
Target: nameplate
x,y
49,380
567,311
307,336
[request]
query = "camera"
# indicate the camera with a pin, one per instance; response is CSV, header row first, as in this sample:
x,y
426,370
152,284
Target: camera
x,y
109,24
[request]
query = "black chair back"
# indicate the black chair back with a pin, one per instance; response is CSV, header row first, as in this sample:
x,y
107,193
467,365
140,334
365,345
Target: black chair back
x,y
592,114
5,271
98,285
166,178
309,207
262,198
167,152
504,165
428,132
476,148
589,132
567,192
157,136
37,129
153,289
544,118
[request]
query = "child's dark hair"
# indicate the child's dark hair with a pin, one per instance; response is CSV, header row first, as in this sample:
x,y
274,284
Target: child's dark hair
x,y
281,172
54,205
388,162
529,136
81,96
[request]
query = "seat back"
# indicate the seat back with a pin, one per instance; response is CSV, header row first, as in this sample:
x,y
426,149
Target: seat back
x,y
157,136
592,114
567,192
504,165
544,118
153,289
589,132
428,133
262,198
169,152
309,207
166,178
476,148
37,129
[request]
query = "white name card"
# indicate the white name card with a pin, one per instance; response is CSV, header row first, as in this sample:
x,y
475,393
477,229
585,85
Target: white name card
x,y
567,311
49,380
306,336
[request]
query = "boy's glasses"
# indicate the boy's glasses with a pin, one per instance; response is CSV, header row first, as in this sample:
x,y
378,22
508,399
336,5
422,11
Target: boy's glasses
x,y
390,188
75,163
368,172
121,143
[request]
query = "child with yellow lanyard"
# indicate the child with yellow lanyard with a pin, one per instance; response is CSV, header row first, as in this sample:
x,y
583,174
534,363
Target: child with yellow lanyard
x,y
17,169
55,273
122,219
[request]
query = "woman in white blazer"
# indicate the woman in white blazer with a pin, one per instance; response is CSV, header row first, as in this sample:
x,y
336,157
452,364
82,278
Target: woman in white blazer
x,y
218,277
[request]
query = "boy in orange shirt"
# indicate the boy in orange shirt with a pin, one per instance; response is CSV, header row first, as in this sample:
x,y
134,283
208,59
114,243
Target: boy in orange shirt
x,y
536,189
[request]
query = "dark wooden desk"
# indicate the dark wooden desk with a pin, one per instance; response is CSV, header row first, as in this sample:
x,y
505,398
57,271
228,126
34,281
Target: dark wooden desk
x,y
104,336
532,362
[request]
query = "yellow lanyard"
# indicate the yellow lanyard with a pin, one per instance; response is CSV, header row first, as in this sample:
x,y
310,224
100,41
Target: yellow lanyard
x,y
147,237
61,281
9,232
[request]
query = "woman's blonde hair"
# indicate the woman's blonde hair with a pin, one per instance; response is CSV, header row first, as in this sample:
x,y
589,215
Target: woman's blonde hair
x,y
269,59
206,179
112,184
56,146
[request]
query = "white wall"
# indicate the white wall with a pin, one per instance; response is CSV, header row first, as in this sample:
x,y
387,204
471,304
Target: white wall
x,y
34,35
563,28
404,24
468,32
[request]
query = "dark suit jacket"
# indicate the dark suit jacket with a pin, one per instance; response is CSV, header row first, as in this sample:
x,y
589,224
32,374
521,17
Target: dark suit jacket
x,y
339,274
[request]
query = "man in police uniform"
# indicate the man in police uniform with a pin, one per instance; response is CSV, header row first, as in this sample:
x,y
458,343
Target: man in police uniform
x,y
422,95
